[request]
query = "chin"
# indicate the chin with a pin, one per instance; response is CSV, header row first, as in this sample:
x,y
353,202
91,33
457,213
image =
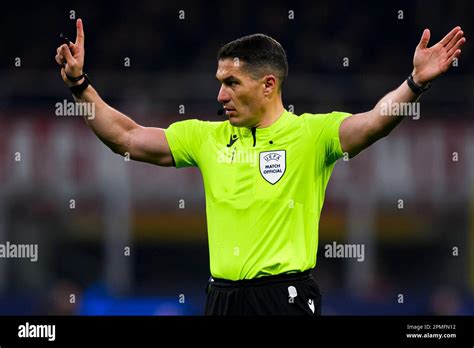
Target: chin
x,y
235,121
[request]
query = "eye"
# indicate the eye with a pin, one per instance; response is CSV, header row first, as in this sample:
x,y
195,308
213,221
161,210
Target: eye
x,y
230,83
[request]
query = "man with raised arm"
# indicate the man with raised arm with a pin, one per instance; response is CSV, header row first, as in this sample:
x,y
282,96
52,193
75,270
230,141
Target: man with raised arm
x,y
265,170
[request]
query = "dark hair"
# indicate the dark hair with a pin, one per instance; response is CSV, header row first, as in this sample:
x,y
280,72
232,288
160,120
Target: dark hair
x,y
260,53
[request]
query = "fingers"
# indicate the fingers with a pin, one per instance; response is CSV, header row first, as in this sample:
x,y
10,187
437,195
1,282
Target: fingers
x,y
449,36
66,53
63,74
455,55
59,59
425,38
456,46
79,33
454,40
448,62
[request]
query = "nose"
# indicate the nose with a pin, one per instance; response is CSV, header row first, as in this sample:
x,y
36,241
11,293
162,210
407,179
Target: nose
x,y
223,97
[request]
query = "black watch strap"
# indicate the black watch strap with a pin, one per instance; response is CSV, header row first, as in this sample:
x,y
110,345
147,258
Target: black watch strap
x,y
77,90
75,79
416,88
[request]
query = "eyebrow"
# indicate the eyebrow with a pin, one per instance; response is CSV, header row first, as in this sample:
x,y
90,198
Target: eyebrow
x,y
230,77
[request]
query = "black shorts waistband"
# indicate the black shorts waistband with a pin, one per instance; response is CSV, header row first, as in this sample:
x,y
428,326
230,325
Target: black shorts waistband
x,y
285,277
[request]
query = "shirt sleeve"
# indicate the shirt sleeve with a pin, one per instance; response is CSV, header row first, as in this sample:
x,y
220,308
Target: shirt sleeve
x,y
325,130
185,139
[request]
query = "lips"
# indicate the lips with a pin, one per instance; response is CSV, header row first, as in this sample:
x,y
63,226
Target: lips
x,y
229,111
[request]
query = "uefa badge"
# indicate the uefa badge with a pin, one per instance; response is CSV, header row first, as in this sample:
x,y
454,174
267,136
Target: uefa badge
x,y
272,165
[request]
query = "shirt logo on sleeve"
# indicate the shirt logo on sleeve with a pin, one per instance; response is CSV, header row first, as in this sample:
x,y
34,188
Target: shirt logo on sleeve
x,y
272,165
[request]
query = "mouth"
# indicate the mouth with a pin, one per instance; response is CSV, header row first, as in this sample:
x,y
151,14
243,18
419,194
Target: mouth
x,y
230,111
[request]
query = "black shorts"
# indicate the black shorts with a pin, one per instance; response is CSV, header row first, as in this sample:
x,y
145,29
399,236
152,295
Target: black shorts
x,y
283,294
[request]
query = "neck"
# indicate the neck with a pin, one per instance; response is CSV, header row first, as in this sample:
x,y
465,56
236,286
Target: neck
x,y
271,115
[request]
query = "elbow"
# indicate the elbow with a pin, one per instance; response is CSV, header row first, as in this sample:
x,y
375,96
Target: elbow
x,y
382,134
376,132
384,131
364,142
123,145
118,150
380,126
119,147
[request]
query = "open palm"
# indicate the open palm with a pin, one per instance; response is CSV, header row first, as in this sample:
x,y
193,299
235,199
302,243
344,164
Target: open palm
x,y
430,62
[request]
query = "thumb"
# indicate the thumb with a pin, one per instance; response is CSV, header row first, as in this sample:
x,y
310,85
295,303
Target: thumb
x,y
425,38
66,53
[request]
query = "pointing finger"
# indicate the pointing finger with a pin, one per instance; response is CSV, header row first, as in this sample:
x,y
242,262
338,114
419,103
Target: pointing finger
x,y
79,33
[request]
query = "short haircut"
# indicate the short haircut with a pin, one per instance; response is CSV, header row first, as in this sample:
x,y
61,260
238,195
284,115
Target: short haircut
x,y
261,54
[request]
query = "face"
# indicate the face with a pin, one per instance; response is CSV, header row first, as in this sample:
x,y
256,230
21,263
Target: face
x,y
244,98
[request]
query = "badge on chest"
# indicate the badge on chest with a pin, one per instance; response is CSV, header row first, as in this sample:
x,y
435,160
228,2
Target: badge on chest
x,y
272,165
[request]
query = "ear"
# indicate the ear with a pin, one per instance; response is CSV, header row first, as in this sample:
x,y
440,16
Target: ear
x,y
270,85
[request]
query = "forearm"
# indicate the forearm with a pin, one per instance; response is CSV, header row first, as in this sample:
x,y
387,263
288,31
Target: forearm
x,y
360,131
110,125
121,134
391,110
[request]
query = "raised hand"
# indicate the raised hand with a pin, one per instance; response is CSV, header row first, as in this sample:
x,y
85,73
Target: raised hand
x,y
430,62
71,58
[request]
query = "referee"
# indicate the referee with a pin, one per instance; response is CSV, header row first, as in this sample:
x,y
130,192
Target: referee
x,y
265,170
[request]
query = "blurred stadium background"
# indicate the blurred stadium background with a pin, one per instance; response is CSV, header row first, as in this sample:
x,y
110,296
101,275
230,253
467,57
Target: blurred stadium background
x,y
121,204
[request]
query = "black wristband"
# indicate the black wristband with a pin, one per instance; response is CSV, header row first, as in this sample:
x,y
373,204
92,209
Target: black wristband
x,y
74,79
77,90
416,88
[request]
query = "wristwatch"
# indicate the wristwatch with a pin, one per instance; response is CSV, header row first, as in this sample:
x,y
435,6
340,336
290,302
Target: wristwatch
x,y
74,79
77,90
416,88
